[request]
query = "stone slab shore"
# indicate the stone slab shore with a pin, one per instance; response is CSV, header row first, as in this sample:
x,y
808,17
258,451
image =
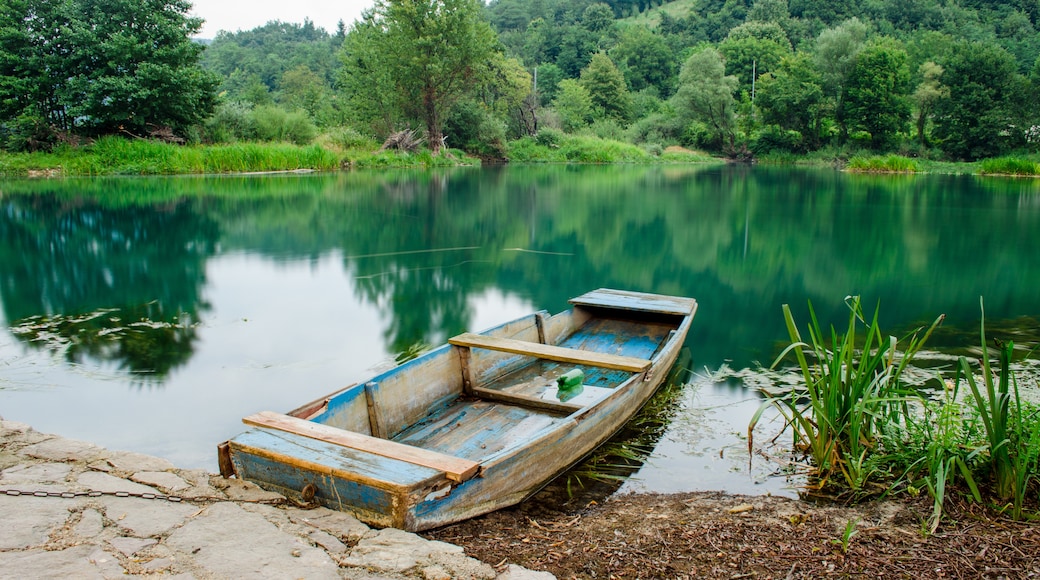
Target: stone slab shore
x,y
71,509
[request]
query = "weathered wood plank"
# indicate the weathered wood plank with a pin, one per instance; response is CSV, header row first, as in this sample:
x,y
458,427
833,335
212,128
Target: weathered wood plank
x,y
638,301
455,468
526,401
556,353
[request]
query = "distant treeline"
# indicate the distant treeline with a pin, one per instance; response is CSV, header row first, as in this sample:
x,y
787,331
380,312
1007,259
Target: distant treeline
x,y
950,79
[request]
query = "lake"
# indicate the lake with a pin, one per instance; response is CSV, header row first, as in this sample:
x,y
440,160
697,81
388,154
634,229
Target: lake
x,y
152,314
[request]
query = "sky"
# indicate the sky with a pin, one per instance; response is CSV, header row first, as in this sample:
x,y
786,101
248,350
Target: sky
x,y
235,16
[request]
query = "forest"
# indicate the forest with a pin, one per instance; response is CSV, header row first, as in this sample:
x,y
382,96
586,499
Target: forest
x,y
933,79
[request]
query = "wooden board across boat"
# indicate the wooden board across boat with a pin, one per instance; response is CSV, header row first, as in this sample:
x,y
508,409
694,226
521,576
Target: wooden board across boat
x,y
472,426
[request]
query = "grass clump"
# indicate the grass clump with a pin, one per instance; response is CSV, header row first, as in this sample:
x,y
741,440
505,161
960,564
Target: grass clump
x,y
1009,166
866,433
883,164
851,393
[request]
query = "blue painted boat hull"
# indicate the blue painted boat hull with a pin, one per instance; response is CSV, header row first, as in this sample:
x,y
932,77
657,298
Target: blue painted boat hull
x,y
472,426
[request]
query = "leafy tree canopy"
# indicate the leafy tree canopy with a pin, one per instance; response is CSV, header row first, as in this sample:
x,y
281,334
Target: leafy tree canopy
x,y
414,59
876,92
606,85
979,117
101,66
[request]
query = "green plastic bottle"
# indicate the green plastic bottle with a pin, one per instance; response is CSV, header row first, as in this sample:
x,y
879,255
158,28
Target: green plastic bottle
x,y
570,379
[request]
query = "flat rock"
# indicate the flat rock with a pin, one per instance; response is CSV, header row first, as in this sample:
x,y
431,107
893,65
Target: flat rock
x,y
106,563
90,524
146,518
239,490
96,481
13,428
77,562
397,551
130,462
230,542
161,479
61,449
340,524
36,473
28,521
328,542
8,459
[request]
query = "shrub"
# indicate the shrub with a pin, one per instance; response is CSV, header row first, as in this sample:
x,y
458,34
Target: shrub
x,y
608,129
662,127
231,121
701,136
348,138
549,137
470,127
594,150
774,139
275,124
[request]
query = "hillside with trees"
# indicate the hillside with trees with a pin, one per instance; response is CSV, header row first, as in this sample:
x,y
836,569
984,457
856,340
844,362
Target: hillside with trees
x,y
951,80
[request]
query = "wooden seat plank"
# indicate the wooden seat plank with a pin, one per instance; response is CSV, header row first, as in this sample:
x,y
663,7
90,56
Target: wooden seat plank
x,y
636,301
527,401
550,352
455,468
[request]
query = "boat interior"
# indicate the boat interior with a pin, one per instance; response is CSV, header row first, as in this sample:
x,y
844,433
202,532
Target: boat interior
x,y
490,392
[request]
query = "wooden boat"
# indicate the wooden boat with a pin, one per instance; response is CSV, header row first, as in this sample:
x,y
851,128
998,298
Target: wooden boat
x,y
475,425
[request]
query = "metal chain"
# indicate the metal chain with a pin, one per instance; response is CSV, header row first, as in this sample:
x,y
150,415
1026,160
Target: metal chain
x,y
145,495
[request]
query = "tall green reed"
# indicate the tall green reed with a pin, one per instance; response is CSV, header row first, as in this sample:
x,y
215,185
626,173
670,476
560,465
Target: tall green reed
x,y
852,391
1012,431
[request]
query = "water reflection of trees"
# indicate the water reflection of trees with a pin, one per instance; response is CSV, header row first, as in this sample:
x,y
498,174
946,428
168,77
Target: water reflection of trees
x,y
421,245
109,281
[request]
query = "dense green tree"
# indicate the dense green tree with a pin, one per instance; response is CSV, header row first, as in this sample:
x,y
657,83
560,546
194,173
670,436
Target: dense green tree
x,y
257,64
606,85
430,53
301,88
792,98
978,117
753,50
548,79
827,11
836,51
597,18
876,93
367,80
576,47
540,42
705,95
95,67
573,104
926,95
272,49
645,59
507,94
769,11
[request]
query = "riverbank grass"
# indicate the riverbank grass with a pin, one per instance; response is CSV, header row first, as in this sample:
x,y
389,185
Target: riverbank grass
x,y
883,164
1009,166
118,156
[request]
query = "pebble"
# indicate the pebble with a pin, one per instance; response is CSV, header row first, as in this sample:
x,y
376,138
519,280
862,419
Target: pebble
x,y
219,530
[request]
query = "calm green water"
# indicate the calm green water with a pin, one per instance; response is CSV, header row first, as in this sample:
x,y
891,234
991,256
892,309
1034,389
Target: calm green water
x,y
152,314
